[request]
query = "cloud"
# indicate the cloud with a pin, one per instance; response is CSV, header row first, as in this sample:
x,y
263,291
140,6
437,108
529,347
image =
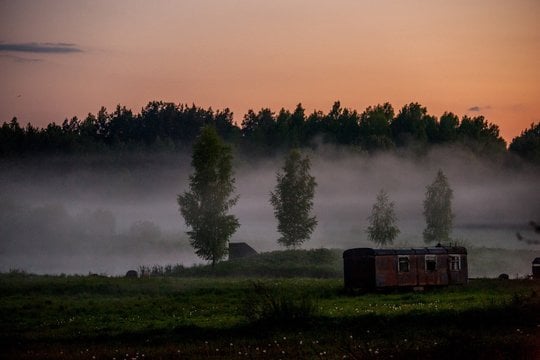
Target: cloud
x,y
479,108
41,48
20,59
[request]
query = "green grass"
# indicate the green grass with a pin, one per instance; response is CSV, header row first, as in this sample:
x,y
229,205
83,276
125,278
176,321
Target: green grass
x,y
166,317
317,263
328,263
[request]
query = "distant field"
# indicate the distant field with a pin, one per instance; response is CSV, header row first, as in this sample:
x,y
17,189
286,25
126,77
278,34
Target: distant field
x,y
315,263
328,263
166,317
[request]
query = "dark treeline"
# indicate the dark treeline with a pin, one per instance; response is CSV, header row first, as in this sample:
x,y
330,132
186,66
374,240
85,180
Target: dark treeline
x,y
168,126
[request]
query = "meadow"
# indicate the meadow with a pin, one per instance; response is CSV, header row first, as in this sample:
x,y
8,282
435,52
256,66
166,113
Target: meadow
x,y
94,317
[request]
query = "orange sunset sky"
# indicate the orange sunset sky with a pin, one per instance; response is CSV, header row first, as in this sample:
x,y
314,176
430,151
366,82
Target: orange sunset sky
x,y
64,58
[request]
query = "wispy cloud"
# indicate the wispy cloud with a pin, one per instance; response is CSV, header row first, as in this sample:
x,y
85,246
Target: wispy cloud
x,y
20,59
479,108
41,48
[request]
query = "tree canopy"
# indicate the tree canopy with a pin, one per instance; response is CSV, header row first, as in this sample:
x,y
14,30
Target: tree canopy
x,y
168,126
438,210
292,200
382,228
527,144
205,206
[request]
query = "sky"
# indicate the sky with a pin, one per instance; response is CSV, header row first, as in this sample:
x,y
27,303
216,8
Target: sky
x,y
65,58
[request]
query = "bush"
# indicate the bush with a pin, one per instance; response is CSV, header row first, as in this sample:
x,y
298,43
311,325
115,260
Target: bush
x,y
276,306
315,263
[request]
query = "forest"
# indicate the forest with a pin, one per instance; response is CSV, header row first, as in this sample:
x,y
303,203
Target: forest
x,y
164,126
124,170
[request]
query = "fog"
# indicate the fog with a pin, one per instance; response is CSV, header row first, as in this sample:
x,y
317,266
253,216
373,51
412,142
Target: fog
x,y
111,213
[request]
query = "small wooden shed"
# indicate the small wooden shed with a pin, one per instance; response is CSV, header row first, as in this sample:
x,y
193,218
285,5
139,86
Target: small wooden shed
x,y
367,268
536,268
240,250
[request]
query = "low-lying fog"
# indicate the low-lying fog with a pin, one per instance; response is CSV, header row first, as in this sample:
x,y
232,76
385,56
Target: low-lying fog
x,y
109,214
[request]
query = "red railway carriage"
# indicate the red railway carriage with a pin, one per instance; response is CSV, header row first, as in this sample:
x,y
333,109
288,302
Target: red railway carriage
x,y
536,268
366,268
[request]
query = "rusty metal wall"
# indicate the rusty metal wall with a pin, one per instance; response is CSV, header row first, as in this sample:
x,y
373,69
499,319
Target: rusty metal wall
x,y
461,276
370,268
386,270
536,271
439,276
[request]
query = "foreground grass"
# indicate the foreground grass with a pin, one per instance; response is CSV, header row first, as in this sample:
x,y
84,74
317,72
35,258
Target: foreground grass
x,y
86,317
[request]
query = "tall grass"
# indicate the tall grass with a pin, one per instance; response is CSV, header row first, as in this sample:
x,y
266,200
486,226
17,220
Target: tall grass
x,y
316,263
275,306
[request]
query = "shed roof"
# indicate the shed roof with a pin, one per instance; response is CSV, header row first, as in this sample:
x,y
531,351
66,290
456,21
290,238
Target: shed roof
x,y
405,251
240,249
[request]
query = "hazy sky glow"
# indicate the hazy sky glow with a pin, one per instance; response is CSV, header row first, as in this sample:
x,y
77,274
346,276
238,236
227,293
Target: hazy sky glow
x,y
68,57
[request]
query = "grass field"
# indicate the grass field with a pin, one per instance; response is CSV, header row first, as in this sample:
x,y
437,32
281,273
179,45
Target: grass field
x,y
328,263
91,317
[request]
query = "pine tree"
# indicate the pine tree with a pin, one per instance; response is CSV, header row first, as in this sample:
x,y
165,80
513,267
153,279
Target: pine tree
x,y
205,207
382,229
293,200
438,210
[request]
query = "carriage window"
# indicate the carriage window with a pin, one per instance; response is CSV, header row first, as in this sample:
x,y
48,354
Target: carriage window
x,y
431,263
454,262
403,263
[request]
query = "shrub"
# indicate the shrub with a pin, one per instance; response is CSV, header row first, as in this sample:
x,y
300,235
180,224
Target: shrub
x,y
276,306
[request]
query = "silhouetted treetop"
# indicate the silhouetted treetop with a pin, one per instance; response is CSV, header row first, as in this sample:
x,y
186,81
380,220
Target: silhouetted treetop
x,y
527,144
169,126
